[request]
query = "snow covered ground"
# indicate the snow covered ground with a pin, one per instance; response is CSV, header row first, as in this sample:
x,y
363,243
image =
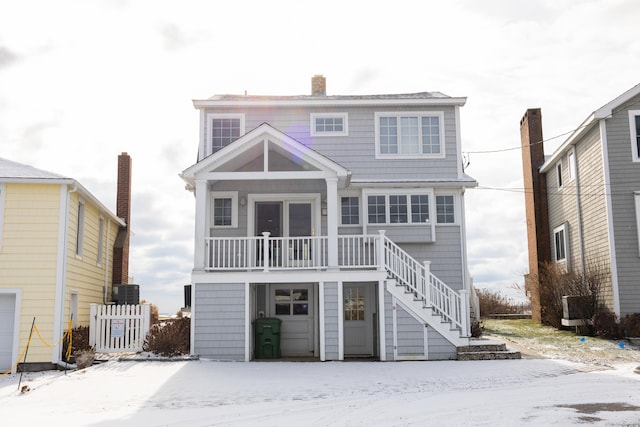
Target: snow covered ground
x,y
530,391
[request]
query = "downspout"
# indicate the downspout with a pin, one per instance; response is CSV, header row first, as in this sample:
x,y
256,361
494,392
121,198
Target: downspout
x,y
579,211
106,264
63,241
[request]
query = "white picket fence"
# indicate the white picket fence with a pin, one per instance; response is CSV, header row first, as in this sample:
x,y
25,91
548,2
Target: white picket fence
x,y
118,328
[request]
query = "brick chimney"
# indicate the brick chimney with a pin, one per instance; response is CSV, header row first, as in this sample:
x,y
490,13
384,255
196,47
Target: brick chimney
x,y
318,85
120,274
536,208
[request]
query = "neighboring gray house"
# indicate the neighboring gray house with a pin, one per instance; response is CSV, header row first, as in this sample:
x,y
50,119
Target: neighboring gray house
x,y
343,216
592,186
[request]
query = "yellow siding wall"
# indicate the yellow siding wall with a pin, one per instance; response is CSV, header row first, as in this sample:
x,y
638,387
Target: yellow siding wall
x,y
28,257
29,260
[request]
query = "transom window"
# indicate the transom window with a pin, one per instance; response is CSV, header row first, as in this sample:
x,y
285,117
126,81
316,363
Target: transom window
x,y
350,210
291,302
398,209
329,124
445,210
416,135
634,130
224,129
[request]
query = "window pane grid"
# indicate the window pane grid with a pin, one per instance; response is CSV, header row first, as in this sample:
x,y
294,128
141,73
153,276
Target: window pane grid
x,y
223,132
444,210
398,209
377,210
413,135
222,212
350,210
419,208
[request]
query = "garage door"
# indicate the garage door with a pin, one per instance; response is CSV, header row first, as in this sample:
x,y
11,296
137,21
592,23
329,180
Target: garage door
x,y
7,318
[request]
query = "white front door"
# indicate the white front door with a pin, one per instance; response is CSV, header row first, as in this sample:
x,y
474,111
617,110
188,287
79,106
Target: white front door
x,y
7,317
293,304
358,318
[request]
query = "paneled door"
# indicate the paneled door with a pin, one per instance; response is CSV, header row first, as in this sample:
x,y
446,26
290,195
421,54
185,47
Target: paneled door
x,y
358,304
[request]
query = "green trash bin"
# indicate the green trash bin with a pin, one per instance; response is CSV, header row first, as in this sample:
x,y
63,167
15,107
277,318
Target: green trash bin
x,y
267,338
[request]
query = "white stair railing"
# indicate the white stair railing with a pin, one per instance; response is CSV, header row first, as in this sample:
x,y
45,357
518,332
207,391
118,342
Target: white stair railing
x,y
417,279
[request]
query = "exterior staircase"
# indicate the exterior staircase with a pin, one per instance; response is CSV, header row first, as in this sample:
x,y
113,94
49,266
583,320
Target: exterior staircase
x,y
439,306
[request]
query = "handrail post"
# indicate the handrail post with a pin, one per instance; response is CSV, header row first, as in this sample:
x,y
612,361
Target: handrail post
x,y
427,283
381,251
464,312
265,250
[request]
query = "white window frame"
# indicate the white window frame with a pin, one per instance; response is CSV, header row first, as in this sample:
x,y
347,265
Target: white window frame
x,y
633,133
2,191
359,209
571,165
419,115
564,229
636,196
100,240
364,203
209,129
345,124
233,195
559,177
456,209
80,217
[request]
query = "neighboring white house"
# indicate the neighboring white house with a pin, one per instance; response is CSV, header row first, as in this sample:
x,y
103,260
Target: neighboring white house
x,y
342,216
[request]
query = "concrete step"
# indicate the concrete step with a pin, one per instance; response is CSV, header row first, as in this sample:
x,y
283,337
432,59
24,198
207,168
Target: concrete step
x,y
480,349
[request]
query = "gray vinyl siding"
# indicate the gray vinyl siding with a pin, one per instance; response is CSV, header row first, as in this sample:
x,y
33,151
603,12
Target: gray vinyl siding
x,y
356,151
388,325
625,179
331,316
439,347
410,335
219,319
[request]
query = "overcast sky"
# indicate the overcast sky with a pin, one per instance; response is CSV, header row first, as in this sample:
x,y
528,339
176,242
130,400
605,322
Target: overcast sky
x,y
83,81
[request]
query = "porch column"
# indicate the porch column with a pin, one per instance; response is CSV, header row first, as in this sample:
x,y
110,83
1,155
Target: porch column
x,y
332,221
201,224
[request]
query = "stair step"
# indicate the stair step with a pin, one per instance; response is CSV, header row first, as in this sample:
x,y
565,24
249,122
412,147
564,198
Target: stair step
x,y
482,347
489,355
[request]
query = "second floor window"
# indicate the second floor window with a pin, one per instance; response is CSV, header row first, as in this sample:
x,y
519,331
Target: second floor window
x,y
419,135
223,129
224,207
329,124
560,240
350,210
634,130
445,211
398,209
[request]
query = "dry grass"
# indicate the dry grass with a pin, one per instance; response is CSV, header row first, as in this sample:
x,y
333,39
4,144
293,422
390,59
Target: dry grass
x,y
544,341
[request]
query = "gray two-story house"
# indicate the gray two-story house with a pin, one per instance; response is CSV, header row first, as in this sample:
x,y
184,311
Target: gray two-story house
x,y
342,216
584,210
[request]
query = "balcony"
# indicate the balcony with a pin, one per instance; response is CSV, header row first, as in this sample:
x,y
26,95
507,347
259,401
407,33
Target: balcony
x,y
266,253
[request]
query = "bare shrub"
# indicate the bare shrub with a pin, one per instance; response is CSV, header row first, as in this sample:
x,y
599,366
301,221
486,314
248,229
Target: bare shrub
x,y
153,312
170,338
493,302
605,325
630,325
554,283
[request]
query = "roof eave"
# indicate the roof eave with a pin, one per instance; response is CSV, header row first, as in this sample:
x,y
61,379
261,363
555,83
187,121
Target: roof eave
x,y
204,103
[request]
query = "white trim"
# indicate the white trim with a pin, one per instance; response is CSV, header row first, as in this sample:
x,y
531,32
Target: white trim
x,y
192,329
609,207
458,141
321,320
247,322
444,101
571,164
208,146
419,115
340,321
394,325
301,276
15,344
3,189
343,116
382,333
564,228
80,225
633,133
636,196
233,195
101,240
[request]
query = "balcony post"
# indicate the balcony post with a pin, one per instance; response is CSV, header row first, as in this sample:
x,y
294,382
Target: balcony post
x,y
201,224
381,251
464,312
332,222
265,250
427,283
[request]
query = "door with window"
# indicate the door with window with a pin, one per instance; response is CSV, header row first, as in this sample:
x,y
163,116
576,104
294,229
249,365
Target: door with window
x,y
359,321
294,305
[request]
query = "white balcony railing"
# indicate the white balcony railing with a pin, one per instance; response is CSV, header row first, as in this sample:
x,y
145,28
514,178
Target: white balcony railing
x,y
288,253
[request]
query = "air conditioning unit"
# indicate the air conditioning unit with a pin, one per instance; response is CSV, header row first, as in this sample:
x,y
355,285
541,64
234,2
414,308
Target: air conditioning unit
x,y
126,294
